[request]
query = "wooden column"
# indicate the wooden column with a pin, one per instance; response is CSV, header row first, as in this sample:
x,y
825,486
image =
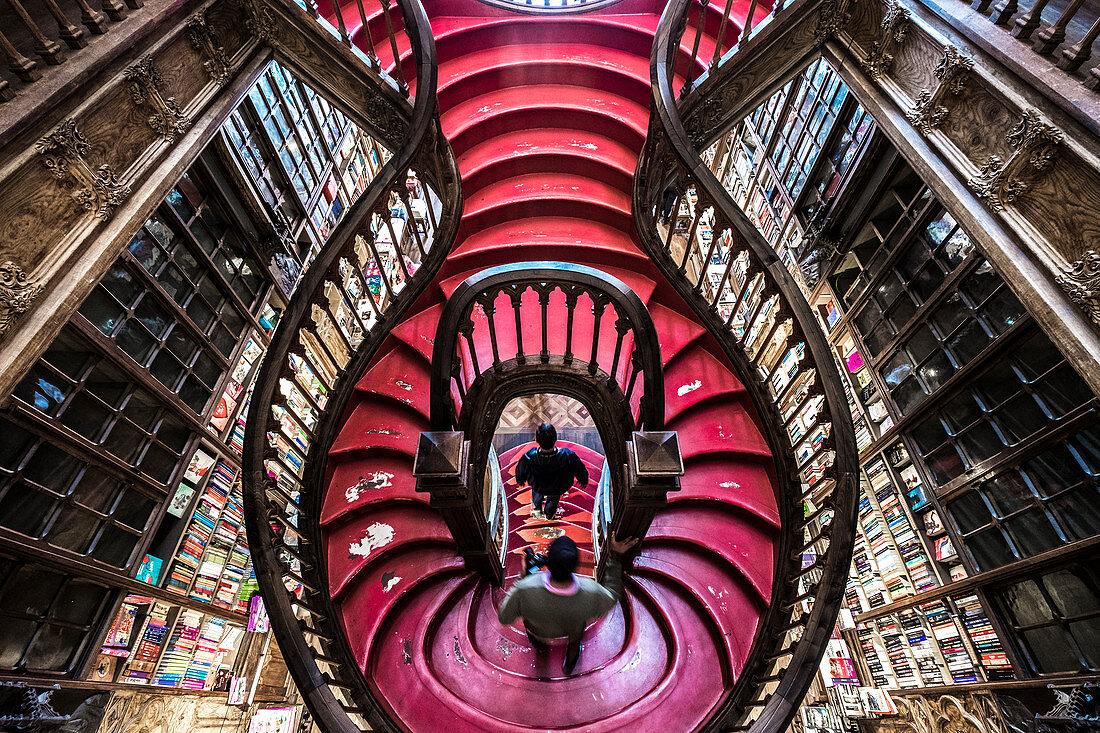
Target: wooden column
x,y
653,468
442,470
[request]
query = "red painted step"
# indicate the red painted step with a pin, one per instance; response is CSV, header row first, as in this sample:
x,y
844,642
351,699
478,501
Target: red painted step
x,y
546,114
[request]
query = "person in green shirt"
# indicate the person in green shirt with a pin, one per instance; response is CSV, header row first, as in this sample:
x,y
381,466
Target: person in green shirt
x,y
556,603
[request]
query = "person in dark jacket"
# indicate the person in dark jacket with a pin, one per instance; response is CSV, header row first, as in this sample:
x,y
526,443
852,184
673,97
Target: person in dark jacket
x,y
549,471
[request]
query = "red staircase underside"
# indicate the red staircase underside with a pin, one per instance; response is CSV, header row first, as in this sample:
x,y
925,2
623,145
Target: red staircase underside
x,y
547,115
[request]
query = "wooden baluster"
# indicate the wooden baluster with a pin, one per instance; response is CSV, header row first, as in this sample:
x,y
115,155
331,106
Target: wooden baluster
x,y
372,54
115,10
1072,58
92,19
403,194
393,47
1027,23
721,34
544,305
49,50
1004,10
69,33
570,309
517,305
982,6
699,22
748,23
750,286
341,25
622,326
397,250
26,69
381,267
730,259
597,314
706,260
1049,37
671,219
689,245
490,309
467,332
6,92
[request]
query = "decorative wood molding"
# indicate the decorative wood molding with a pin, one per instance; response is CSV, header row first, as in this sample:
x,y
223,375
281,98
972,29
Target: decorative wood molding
x,y
1081,281
1035,146
64,152
975,712
144,86
201,36
17,292
832,17
895,24
262,22
952,73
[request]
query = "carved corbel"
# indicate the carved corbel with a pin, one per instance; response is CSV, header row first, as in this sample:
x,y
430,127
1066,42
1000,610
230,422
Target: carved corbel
x,y
17,292
952,73
261,21
64,153
1035,145
895,24
144,87
1081,281
831,18
201,37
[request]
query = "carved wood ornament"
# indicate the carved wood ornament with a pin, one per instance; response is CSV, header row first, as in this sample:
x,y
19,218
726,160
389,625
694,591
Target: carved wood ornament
x,y
64,153
1081,281
1035,145
261,21
952,72
17,292
831,19
895,24
202,40
144,87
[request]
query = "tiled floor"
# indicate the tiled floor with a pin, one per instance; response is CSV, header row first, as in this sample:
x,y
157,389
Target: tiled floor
x,y
522,415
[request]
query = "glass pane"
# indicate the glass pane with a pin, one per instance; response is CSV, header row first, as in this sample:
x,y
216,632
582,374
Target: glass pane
x,y
73,530
1051,650
1026,603
53,649
1071,593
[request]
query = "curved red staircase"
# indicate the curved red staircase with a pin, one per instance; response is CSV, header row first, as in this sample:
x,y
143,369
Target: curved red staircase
x,y
546,115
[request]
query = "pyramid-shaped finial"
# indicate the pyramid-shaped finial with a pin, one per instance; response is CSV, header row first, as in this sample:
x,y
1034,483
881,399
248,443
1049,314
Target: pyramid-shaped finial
x,y
656,454
439,454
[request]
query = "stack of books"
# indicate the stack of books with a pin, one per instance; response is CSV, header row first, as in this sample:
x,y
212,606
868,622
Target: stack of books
x,y
181,647
993,657
946,633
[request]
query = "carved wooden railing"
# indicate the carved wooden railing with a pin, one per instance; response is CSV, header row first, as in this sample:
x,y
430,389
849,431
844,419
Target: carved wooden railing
x,y
1066,40
510,331
383,253
32,33
747,299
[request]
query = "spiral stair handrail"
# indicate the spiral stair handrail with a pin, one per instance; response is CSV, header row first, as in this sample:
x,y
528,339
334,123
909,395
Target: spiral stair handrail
x,y
480,292
362,281
751,304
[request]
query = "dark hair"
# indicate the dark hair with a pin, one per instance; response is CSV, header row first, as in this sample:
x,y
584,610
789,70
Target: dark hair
x,y
561,559
546,436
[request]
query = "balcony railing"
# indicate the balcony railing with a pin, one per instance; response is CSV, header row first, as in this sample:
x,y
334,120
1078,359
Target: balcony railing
x,y
36,34
750,303
388,247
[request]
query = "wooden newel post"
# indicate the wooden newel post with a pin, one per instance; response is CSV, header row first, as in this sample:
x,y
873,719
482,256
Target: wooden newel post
x,y
442,470
653,468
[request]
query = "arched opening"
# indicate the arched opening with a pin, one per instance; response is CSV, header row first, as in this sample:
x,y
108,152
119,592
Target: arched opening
x,y
569,514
